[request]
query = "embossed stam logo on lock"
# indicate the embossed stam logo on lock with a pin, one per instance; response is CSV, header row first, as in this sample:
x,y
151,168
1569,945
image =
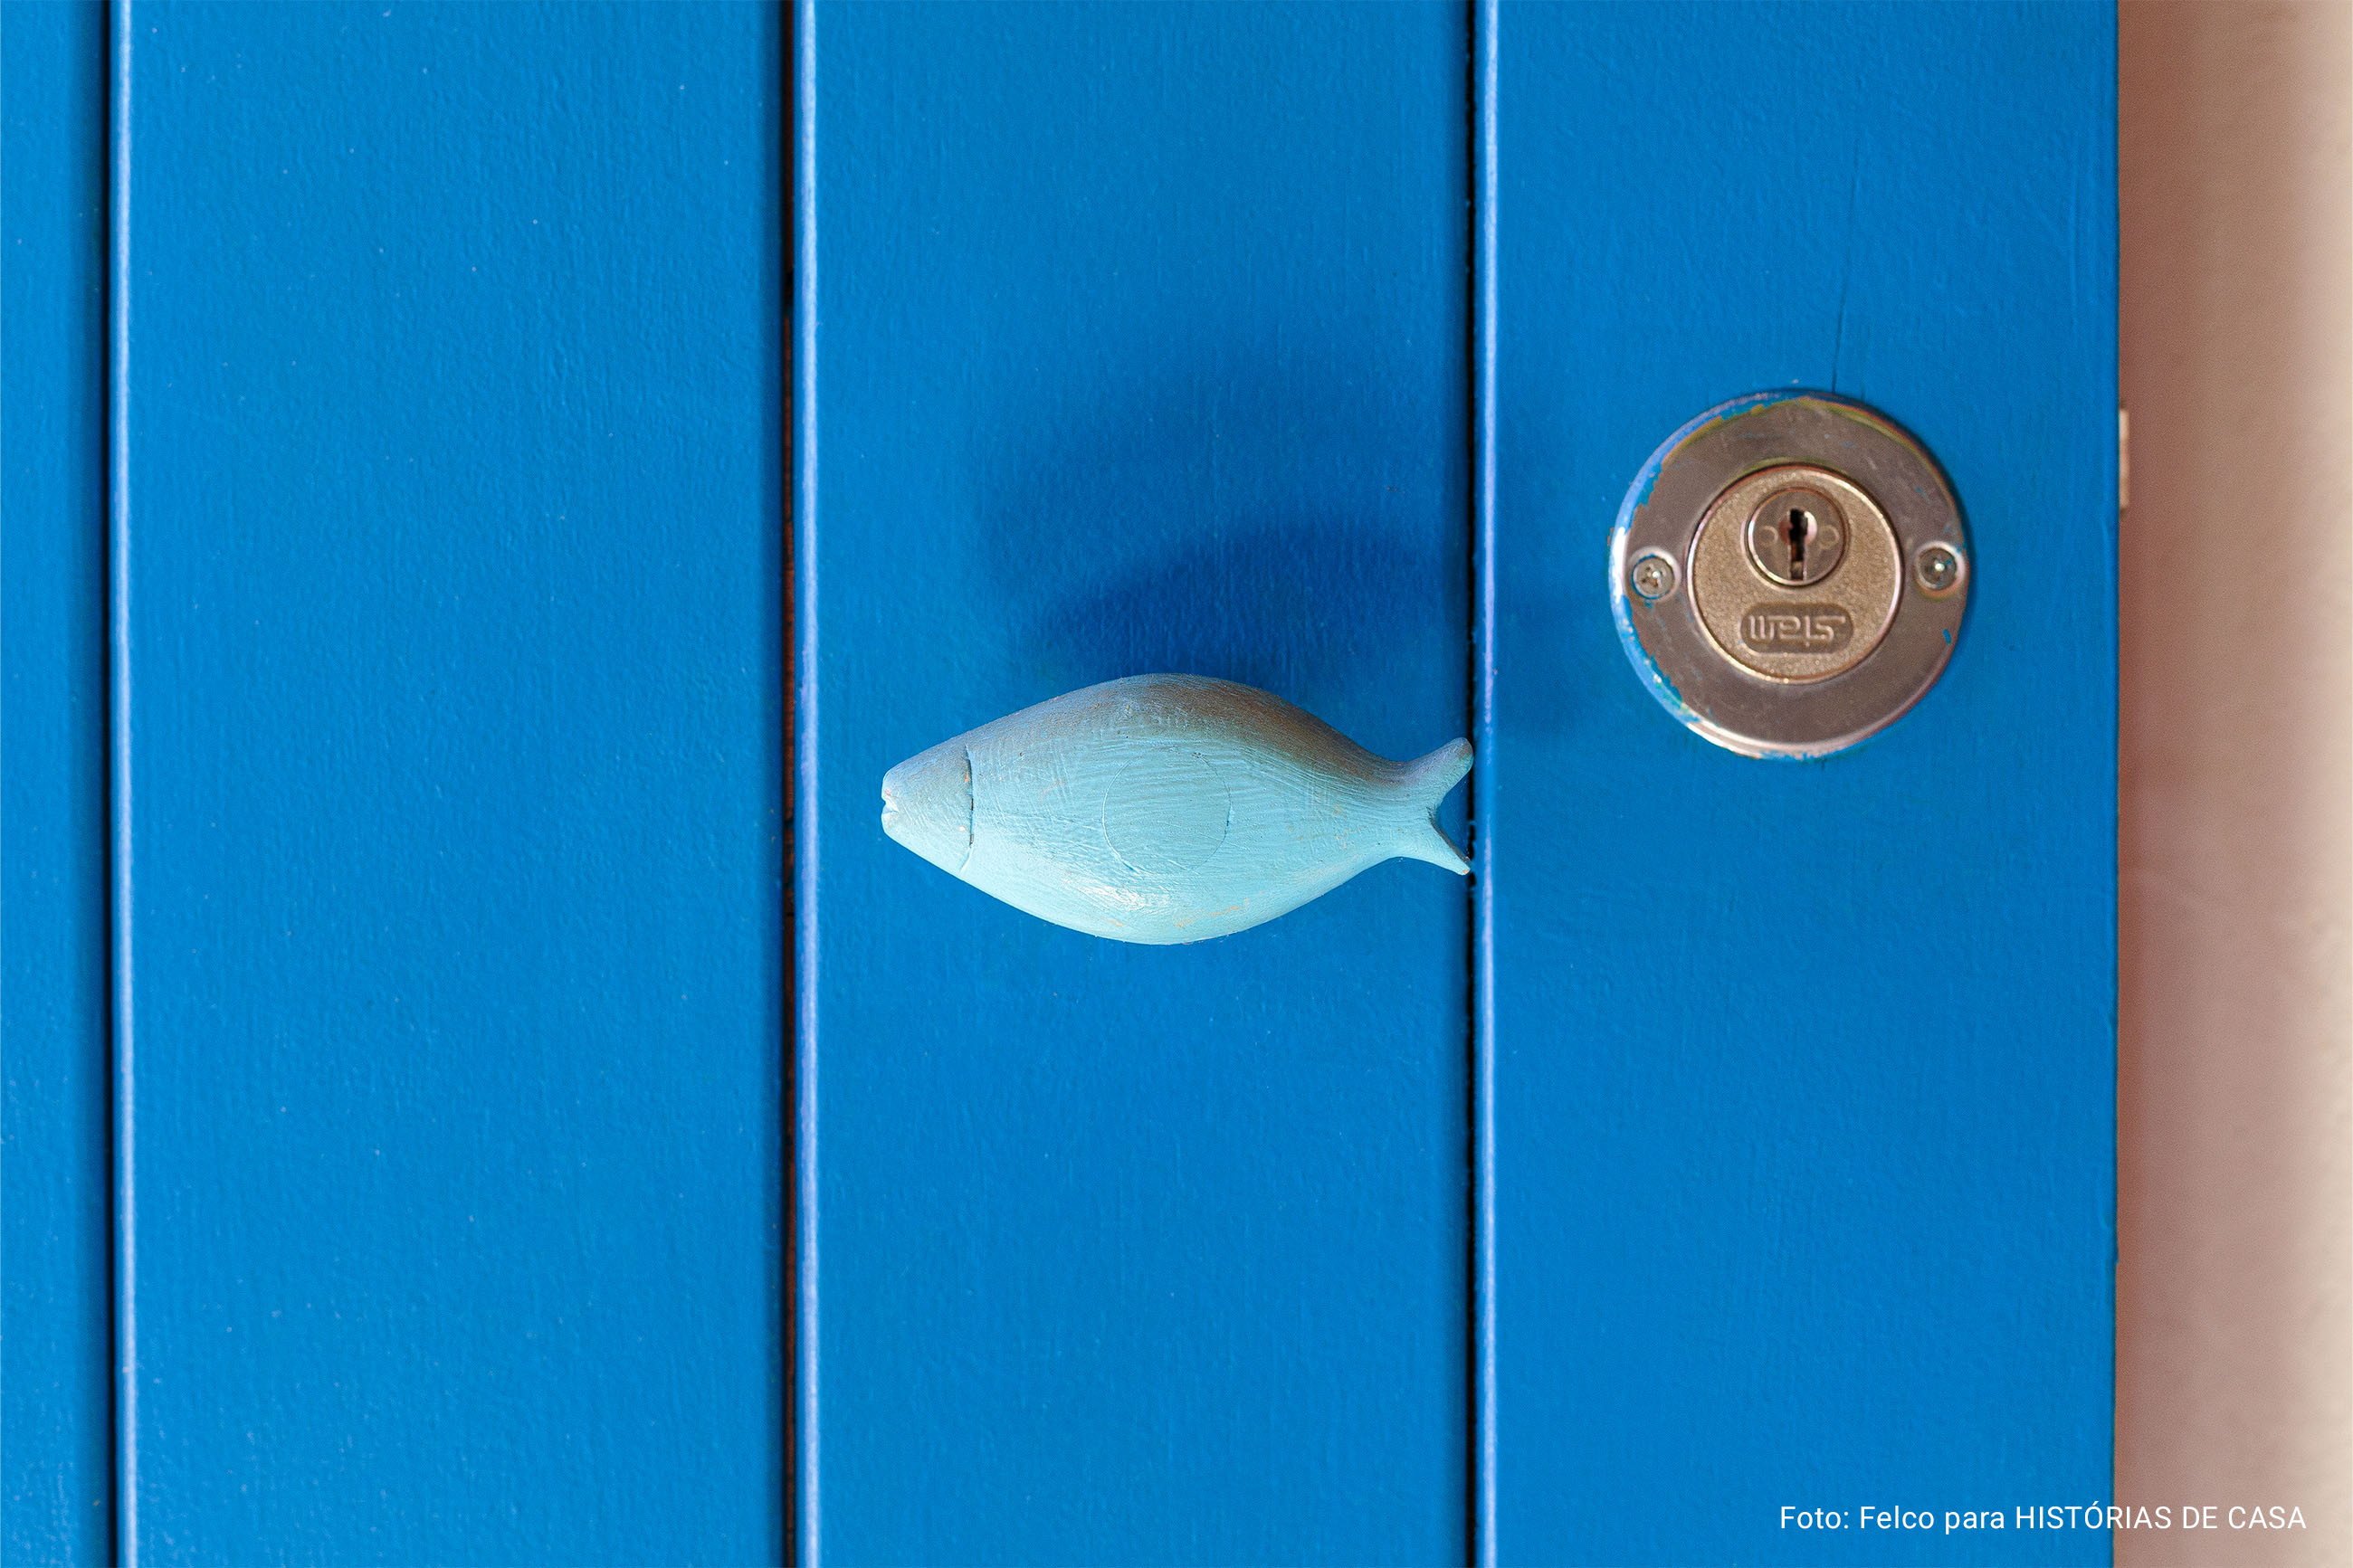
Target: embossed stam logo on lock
x,y
1797,628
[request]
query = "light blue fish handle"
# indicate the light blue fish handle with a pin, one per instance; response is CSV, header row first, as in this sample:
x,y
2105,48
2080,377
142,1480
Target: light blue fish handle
x,y
1167,808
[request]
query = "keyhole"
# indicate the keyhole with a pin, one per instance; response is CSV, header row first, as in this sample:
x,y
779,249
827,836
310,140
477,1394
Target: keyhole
x,y
1796,537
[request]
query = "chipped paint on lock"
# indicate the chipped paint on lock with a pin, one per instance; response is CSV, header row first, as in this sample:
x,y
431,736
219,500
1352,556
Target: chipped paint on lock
x,y
1623,605
1167,808
1621,608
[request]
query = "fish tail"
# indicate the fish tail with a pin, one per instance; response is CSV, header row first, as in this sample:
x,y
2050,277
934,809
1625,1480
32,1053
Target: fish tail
x,y
1426,782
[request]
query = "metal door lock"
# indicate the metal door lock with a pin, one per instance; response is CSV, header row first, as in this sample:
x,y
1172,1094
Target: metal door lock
x,y
1788,573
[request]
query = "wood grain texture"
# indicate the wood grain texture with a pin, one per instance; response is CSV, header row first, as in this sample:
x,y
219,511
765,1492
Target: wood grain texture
x,y
1130,340
1167,808
1802,1073
451,495
55,1433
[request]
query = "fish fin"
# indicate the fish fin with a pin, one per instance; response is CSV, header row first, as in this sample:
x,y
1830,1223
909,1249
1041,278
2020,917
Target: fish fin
x,y
1428,842
1426,781
1429,780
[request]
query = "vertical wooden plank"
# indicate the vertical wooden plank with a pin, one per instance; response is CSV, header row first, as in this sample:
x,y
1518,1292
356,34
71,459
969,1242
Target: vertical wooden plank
x,y
1486,326
56,1464
1131,340
451,596
1803,1073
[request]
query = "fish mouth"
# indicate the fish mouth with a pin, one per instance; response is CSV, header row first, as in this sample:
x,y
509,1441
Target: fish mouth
x,y
927,806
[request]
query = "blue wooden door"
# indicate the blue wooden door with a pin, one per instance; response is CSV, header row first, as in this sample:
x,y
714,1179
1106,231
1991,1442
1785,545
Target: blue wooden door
x,y
1788,1115
442,352
1127,341
491,490
1797,1077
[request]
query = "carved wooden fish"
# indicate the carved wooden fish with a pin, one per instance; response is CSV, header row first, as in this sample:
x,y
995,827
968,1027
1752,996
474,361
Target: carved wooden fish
x,y
1167,808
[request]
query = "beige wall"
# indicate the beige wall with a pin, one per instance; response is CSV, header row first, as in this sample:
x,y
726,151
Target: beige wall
x,y
2234,1283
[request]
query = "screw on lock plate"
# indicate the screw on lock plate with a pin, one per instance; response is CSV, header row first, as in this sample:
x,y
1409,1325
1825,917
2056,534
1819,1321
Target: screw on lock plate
x,y
1653,577
1790,574
1939,566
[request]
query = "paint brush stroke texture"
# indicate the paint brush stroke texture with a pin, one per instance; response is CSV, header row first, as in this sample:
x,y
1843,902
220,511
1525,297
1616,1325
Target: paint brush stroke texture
x,y
1167,808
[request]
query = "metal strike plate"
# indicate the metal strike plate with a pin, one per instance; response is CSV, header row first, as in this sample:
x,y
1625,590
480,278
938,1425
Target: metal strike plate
x,y
1788,573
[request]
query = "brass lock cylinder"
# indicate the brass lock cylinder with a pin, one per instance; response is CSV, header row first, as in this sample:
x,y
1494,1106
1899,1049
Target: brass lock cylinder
x,y
1788,573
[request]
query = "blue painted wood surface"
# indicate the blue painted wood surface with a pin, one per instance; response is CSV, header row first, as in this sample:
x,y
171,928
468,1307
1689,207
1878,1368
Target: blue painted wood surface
x,y
56,1464
451,641
1802,1074
1130,340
